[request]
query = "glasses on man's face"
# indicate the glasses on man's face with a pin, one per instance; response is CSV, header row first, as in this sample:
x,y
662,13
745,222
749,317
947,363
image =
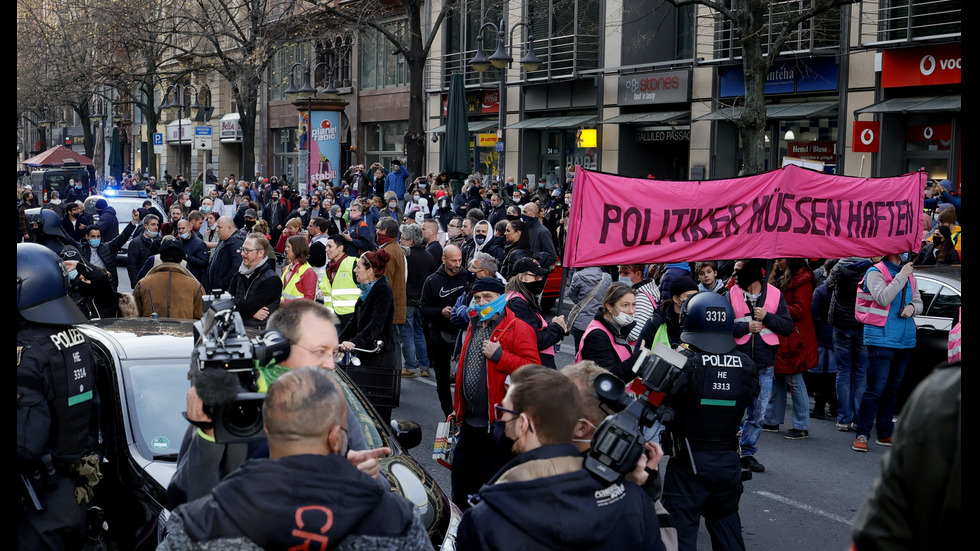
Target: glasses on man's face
x,y
247,250
320,353
499,409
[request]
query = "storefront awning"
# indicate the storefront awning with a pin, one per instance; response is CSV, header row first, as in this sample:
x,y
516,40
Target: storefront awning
x,y
646,118
555,123
804,110
473,127
914,105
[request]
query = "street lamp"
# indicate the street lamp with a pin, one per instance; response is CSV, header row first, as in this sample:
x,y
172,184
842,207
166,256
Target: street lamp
x,y
44,124
308,92
501,59
178,103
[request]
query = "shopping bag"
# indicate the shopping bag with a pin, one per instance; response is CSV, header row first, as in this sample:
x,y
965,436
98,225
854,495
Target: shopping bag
x,y
442,448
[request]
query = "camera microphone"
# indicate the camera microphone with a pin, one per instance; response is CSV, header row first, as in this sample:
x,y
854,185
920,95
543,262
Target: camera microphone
x,y
216,387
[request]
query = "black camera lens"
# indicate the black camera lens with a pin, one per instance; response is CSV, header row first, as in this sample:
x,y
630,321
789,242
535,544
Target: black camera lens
x,y
242,420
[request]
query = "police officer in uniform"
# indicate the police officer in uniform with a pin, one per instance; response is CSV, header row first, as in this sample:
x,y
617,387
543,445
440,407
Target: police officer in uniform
x,y
703,474
49,231
57,409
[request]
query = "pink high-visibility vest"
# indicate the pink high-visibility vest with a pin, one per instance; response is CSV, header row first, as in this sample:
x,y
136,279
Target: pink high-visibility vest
x,y
742,313
623,352
866,309
953,347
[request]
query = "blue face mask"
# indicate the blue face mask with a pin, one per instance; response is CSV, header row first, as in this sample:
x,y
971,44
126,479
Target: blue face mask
x,y
489,309
185,235
95,242
205,209
72,274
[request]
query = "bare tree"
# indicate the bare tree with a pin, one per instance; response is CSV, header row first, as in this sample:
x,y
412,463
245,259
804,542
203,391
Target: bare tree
x,y
238,39
762,28
414,47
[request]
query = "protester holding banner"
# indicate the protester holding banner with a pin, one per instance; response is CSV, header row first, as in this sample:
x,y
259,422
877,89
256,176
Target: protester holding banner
x,y
797,352
887,299
606,340
761,316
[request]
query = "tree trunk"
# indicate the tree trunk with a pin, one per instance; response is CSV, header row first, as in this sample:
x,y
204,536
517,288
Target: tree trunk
x,y
752,123
415,136
247,97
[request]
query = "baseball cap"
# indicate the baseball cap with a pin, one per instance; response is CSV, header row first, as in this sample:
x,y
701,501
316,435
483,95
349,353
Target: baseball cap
x,y
530,264
250,213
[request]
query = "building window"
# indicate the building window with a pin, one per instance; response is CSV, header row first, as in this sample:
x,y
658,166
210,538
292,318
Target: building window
x,y
566,35
336,54
379,67
383,142
281,65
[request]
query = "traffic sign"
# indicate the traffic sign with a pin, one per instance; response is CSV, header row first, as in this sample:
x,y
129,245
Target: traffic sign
x,y
158,143
202,137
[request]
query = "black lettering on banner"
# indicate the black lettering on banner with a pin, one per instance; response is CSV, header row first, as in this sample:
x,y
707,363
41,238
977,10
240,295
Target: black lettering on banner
x,y
805,228
879,216
833,217
772,207
759,207
854,209
734,226
679,213
697,232
892,218
645,233
868,226
631,212
717,220
608,210
816,214
783,208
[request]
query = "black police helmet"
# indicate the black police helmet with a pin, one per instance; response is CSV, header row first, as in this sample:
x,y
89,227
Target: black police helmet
x,y
707,321
42,287
49,223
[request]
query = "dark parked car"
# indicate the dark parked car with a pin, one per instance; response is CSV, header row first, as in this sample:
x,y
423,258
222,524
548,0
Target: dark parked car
x,y
141,369
939,287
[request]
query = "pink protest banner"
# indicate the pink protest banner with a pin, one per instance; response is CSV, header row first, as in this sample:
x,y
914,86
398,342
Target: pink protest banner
x,y
791,212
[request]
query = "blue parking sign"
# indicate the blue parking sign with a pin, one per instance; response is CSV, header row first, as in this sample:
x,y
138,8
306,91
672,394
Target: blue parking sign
x,y
157,138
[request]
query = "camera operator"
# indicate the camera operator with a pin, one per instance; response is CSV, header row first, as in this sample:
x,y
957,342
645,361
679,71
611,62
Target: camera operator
x,y
309,491
646,473
703,474
544,498
202,463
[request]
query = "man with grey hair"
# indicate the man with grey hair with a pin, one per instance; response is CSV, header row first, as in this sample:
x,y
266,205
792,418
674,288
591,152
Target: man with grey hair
x,y
420,266
225,258
485,265
307,486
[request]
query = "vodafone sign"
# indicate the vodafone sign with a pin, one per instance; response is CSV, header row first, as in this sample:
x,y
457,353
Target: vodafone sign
x,y
866,137
921,66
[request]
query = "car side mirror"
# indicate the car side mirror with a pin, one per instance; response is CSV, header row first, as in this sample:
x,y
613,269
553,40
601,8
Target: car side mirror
x,y
408,433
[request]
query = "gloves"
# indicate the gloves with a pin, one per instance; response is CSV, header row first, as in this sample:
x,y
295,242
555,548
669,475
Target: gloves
x,y
86,477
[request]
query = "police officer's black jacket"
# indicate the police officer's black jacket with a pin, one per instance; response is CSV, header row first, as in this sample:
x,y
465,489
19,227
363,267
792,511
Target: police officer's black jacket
x,y
260,504
710,405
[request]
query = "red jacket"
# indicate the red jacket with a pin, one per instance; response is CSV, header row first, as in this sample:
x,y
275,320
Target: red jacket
x,y
519,347
798,352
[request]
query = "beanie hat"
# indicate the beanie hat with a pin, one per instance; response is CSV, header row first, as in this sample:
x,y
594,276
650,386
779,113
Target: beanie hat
x,y
70,253
172,251
101,204
682,285
946,184
947,216
491,284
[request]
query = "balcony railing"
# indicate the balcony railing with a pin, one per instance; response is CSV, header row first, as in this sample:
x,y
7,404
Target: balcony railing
x,y
908,21
561,57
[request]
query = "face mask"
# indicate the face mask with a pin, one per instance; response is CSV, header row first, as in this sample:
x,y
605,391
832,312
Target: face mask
x,y
528,219
205,209
249,224
319,188
185,235
383,239
346,195
153,196
421,186
152,234
72,274
491,308
517,198
95,242
535,287
78,186
392,204
480,239
512,217
623,319
187,203
626,279
935,241
415,198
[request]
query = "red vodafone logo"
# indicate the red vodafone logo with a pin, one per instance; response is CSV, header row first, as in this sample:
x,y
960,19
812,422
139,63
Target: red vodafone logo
x,y
865,136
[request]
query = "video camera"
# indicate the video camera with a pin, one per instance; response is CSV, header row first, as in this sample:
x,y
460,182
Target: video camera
x,y
224,371
618,442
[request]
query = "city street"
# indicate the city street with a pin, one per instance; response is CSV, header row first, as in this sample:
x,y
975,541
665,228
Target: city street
x,y
805,500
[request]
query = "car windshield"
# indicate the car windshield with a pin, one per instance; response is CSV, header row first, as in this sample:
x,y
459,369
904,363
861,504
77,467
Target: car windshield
x,y
157,394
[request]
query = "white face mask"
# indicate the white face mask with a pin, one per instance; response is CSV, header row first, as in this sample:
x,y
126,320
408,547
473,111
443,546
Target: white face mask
x,y
623,319
187,203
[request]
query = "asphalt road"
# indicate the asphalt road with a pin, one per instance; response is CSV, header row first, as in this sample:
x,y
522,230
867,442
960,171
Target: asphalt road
x,y
805,500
